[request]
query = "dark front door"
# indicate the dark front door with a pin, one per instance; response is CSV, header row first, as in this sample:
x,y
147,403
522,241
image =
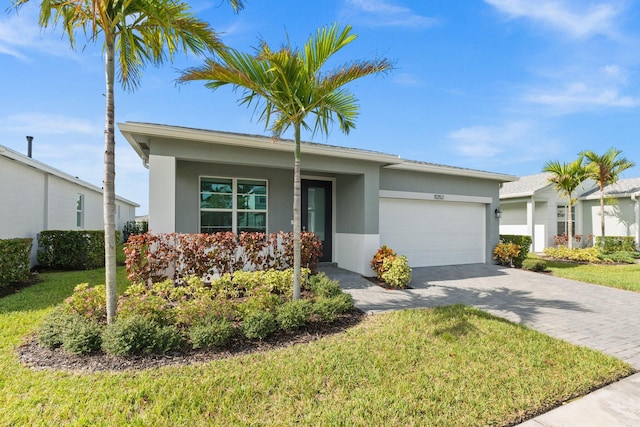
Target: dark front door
x,y
316,213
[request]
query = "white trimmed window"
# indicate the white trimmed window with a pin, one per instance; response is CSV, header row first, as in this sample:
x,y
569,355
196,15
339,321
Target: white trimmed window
x,y
80,210
233,204
563,216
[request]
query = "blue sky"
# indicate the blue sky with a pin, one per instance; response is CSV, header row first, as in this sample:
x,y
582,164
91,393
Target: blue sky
x,y
496,85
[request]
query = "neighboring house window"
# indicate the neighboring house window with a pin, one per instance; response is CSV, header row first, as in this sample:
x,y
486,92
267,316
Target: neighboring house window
x,y
232,204
562,219
80,211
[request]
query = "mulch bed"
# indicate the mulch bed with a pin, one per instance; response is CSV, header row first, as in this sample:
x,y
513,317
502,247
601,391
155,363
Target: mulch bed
x,y
35,356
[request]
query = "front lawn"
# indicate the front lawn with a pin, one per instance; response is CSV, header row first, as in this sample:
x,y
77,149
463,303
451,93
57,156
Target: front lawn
x,y
621,276
447,366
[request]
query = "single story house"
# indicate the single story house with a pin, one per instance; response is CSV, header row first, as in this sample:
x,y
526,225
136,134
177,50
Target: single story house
x,y
354,200
532,207
37,197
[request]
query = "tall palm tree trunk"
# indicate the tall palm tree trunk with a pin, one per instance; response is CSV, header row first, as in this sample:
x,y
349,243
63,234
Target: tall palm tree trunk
x,y
108,191
297,259
602,243
569,226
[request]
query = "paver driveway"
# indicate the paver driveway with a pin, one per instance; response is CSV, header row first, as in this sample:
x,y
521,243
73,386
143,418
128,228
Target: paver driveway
x,y
595,316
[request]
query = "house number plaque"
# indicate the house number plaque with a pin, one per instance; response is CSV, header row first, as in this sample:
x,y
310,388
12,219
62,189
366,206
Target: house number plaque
x,y
438,196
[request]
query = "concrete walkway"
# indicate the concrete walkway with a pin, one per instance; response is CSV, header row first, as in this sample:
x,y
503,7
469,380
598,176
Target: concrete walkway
x,y
598,317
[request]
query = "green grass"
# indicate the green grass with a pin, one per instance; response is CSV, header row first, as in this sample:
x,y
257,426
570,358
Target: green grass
x,y
621,276
448,366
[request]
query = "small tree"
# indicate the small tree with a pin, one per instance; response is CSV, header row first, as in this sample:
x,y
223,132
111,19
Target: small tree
x,y
605,169
291,84
566,177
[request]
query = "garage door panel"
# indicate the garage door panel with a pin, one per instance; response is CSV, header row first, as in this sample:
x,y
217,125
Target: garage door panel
x,y
433,232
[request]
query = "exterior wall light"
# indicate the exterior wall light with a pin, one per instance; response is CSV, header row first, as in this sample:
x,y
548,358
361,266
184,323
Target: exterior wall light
x,y
498,213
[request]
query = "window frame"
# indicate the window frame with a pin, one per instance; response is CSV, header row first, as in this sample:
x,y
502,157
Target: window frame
x,y
235,211
564,221
80,204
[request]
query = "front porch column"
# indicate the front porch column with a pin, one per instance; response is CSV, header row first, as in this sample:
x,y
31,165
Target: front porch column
x,y
162,194
531,226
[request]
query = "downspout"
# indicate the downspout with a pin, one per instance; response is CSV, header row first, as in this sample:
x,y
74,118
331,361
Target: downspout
x,y
636,209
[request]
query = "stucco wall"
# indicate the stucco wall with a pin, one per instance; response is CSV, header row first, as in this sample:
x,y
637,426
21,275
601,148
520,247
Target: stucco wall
x,y
620,218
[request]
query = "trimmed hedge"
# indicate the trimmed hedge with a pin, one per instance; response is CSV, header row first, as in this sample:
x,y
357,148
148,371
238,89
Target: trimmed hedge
x,y
15,260
523,241
617,244
71,250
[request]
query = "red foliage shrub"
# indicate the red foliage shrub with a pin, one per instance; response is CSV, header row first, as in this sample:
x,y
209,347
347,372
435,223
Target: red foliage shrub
x,y
157,257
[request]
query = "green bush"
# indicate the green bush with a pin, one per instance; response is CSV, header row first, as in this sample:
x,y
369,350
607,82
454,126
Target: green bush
x,y
523,241
133,228
293,314
322,286
136,335
617,244
53,327
259,325
396,271
377,262
15,260
82,336
211,333
621,257
328,309
152,307
90,303
534,264
505,253
71,250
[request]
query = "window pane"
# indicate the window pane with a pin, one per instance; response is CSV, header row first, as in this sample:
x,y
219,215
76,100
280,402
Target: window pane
x,y
79,202
252,221
251,187
215,185
252,202
216,201
212,222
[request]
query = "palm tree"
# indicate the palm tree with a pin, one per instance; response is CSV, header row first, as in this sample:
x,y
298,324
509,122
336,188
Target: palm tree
x,y
290,84
139,31
605,169
566,177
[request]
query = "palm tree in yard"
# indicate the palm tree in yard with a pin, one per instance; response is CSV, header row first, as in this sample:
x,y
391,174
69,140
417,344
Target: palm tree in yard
x,y
605,169
566,177
134,32
287,86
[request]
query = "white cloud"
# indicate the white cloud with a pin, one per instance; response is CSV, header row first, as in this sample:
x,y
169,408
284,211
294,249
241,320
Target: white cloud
x,y
580,21
382,13
49,124
408,79
512,142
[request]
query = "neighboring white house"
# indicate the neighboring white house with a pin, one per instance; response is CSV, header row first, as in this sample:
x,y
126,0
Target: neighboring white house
x,y
37,197
532,207
354,200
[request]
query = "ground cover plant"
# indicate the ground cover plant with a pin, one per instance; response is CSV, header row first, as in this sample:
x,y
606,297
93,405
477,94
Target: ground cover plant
x,y
446,366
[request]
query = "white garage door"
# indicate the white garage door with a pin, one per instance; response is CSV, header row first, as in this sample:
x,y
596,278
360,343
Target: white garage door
x,y
434,232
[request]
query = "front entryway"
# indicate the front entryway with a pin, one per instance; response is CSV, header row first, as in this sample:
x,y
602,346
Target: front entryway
x,y
316,213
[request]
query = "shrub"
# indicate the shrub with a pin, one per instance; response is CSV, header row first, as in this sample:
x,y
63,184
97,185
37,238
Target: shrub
x,y
329,308
133,228
293,314
377,263
259,325
166,338
152,307
191,312
620,257
396,272
54,325
81,336
15,260
617,244
591,255
322,286
211,333
505,253
534,264
128,336
71,250
90,303
523,241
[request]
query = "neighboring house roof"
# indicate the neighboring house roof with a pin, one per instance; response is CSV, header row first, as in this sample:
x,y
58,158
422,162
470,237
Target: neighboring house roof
x,y
138,134
525,186
622,188
28,161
